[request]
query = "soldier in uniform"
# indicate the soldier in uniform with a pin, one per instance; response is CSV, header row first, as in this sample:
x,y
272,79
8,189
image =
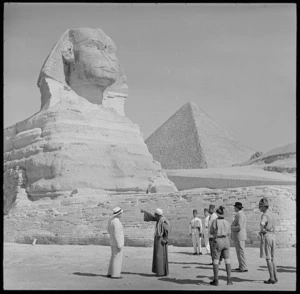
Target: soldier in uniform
x,y
195,230
220,230
267,239
212,217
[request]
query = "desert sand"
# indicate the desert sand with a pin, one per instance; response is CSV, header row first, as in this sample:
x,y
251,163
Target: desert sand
x,y
75,267
228,177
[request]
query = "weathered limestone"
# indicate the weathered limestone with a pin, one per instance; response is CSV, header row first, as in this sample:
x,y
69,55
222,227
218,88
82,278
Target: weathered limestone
x,y
190,139
80,138
14,187
82,218
161,185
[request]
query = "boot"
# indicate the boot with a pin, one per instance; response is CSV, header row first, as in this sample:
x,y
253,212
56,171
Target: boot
x,y
215,281
228,270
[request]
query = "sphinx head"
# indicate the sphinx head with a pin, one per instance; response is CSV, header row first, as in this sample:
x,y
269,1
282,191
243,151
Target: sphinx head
x,y
84,59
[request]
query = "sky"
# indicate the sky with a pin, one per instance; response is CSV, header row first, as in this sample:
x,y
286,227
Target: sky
x,y
235,61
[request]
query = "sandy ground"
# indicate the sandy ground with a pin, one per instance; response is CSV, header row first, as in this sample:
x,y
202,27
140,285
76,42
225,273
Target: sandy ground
x,y
75,267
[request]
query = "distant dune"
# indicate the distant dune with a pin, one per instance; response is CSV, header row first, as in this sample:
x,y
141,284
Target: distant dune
x,y
231,177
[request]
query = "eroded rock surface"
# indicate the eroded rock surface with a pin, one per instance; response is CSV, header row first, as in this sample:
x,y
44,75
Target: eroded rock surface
x,y
14,187
81,137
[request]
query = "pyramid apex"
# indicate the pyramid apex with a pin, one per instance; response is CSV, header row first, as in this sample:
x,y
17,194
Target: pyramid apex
x,y
191,139
195,108
190,103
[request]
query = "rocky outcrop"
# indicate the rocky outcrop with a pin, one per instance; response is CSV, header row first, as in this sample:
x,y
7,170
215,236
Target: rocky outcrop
x,y
161,185
81,137
14,187
190,139
256,155
281,159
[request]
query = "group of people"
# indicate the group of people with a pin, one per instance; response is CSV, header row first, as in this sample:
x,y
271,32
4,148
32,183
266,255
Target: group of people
x,y
215,230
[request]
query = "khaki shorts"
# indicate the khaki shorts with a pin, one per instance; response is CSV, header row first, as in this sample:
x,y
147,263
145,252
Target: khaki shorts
x,y
267,246
220,247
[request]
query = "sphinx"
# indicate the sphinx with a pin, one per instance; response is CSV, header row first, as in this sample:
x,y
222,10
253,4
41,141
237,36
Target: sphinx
x,y
81,137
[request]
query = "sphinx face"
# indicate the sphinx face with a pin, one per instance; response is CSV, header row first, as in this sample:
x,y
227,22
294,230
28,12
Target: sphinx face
x,y
95,60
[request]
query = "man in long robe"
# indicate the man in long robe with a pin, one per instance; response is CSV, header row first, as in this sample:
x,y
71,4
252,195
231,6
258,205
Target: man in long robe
x,y
160,264
115,230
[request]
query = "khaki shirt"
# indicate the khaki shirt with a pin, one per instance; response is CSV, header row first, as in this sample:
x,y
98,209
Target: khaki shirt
x,y
220,227
269,220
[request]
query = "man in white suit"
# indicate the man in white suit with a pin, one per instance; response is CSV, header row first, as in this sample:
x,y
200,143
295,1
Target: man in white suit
x,y
205,230
239,236
115,230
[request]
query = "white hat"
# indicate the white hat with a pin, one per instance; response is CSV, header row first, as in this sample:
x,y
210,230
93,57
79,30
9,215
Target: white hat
x,y
158,211
117,210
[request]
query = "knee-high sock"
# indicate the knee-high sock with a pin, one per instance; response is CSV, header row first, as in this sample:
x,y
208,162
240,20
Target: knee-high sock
x,y
228,270
270,268
216,271
274,270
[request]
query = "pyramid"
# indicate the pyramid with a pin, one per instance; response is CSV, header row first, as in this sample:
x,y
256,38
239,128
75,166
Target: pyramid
x,y
190,139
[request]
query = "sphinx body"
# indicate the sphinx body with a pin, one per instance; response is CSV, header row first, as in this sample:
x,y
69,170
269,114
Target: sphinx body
x,y
80,138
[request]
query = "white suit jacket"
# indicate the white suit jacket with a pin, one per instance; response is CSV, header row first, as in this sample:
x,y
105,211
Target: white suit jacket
x,y
115,230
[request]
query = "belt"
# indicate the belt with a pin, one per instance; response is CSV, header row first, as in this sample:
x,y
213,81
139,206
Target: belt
x,y
221,236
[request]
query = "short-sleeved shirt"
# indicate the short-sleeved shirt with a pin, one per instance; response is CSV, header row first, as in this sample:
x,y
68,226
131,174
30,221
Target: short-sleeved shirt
x,y
212,217
220,227
195,223
220,246
269,219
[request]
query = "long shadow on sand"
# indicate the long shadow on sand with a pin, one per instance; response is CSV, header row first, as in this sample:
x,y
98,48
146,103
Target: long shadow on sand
x,y
88,274
186,253
184,281
210,268
175,262
139,274
237,280
198,263
199,281
280,269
